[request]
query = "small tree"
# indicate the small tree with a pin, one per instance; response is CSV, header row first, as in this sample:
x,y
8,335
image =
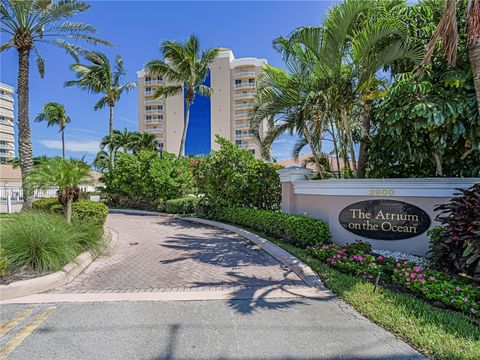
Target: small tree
x,y
66,175
54,114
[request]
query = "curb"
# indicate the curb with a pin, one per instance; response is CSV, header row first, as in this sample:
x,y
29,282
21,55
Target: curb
x,y
62,277
138,212
302,270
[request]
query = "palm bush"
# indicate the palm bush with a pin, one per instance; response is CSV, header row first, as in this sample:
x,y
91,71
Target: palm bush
x,y
44,242
66,175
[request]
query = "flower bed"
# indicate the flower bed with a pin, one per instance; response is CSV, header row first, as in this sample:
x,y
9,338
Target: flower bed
x,y
420,280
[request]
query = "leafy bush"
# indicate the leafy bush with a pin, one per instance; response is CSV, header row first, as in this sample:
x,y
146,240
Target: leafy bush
x,y
82,211
358,260
145,179
232,177
186,205
45,242
45,204
3,263
456,245
299,230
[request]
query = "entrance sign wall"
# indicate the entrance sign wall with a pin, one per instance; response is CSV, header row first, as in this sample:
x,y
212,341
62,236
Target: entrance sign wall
x,y
391,214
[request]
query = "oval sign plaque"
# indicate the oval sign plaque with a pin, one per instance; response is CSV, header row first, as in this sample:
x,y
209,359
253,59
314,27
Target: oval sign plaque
x,y
384,219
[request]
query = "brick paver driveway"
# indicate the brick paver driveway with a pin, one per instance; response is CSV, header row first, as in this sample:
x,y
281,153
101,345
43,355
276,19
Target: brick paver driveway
x,y
160,253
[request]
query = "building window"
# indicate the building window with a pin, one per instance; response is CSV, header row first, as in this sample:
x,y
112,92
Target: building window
x,y
238,142
251,81
238,132
237,82
148,89
149,108
252,151
149,117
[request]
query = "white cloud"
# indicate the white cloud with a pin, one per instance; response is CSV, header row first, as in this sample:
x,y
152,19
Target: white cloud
x,y
88,146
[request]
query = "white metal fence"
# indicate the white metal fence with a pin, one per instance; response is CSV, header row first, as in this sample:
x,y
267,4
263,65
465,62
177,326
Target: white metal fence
x,y
16,194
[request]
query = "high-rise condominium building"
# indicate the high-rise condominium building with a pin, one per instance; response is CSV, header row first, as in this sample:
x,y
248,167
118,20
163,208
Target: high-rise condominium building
x,y
7,138
225,113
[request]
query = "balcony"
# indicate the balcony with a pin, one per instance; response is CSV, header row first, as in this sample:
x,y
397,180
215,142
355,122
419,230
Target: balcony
x,y
6,97
242,115
8,129
243,136
6,122
153,102
153,82
247,95
8,146
245,85
248,105
242,125
149,92
154,130
242,146
154,111
6,112
153,121
242,74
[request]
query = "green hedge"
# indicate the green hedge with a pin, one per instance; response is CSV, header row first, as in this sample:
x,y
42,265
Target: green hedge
x,y
299,230
45,204
185,205
82,211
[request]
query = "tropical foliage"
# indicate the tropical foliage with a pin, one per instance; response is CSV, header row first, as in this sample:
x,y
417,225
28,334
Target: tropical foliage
x,y
55,114
332,79
147,179
184,68
456,244
232,176
428,123
28,24
102,77
66,175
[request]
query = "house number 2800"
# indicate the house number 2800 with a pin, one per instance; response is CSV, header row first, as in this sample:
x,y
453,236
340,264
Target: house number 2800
x,y
381,192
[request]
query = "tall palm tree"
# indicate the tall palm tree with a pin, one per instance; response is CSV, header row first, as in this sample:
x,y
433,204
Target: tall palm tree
x,y
26,24
447,31
66,175
101,77
184,68
54,114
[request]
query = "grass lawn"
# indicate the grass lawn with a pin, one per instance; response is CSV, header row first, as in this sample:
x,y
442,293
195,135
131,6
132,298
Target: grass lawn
x,y
437,333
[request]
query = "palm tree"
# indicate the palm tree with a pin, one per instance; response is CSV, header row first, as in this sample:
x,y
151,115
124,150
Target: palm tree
x,y
183,67
357,39
101,161
447,31
54,114
143,141
101,77
66,175
28,24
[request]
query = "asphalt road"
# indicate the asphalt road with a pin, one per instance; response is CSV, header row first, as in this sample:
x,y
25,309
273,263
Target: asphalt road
x,y
293,329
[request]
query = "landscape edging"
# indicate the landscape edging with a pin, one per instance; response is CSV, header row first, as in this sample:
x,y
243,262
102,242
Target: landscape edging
x,y
62,277
302,270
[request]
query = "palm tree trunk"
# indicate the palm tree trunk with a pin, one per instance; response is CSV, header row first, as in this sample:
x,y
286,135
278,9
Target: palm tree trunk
x,y
62,130
335,146
474,55
24,137
181,151
438,165
314,151
362,156
68,210
110,133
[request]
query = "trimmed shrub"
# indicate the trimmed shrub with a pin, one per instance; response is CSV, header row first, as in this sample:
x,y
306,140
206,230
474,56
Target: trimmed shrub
x,y
296,229
45,242
232,177
45,204
185,205
3,263
83,211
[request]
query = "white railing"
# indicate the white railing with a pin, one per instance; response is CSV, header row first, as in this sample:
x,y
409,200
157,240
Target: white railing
x,y
154,111
241,115
244,74
242,125
242,146
153,102
154,130
6,129
153,121
16,193
6,122
244,85
248,105
243,136
8,146
153,82
151,92
249,94
6,97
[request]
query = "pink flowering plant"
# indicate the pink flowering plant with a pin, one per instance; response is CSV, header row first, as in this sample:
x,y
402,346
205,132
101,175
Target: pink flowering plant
x,y
357,259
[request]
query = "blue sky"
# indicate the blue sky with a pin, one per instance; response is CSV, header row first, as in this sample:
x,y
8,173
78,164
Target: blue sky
x,y
136,28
